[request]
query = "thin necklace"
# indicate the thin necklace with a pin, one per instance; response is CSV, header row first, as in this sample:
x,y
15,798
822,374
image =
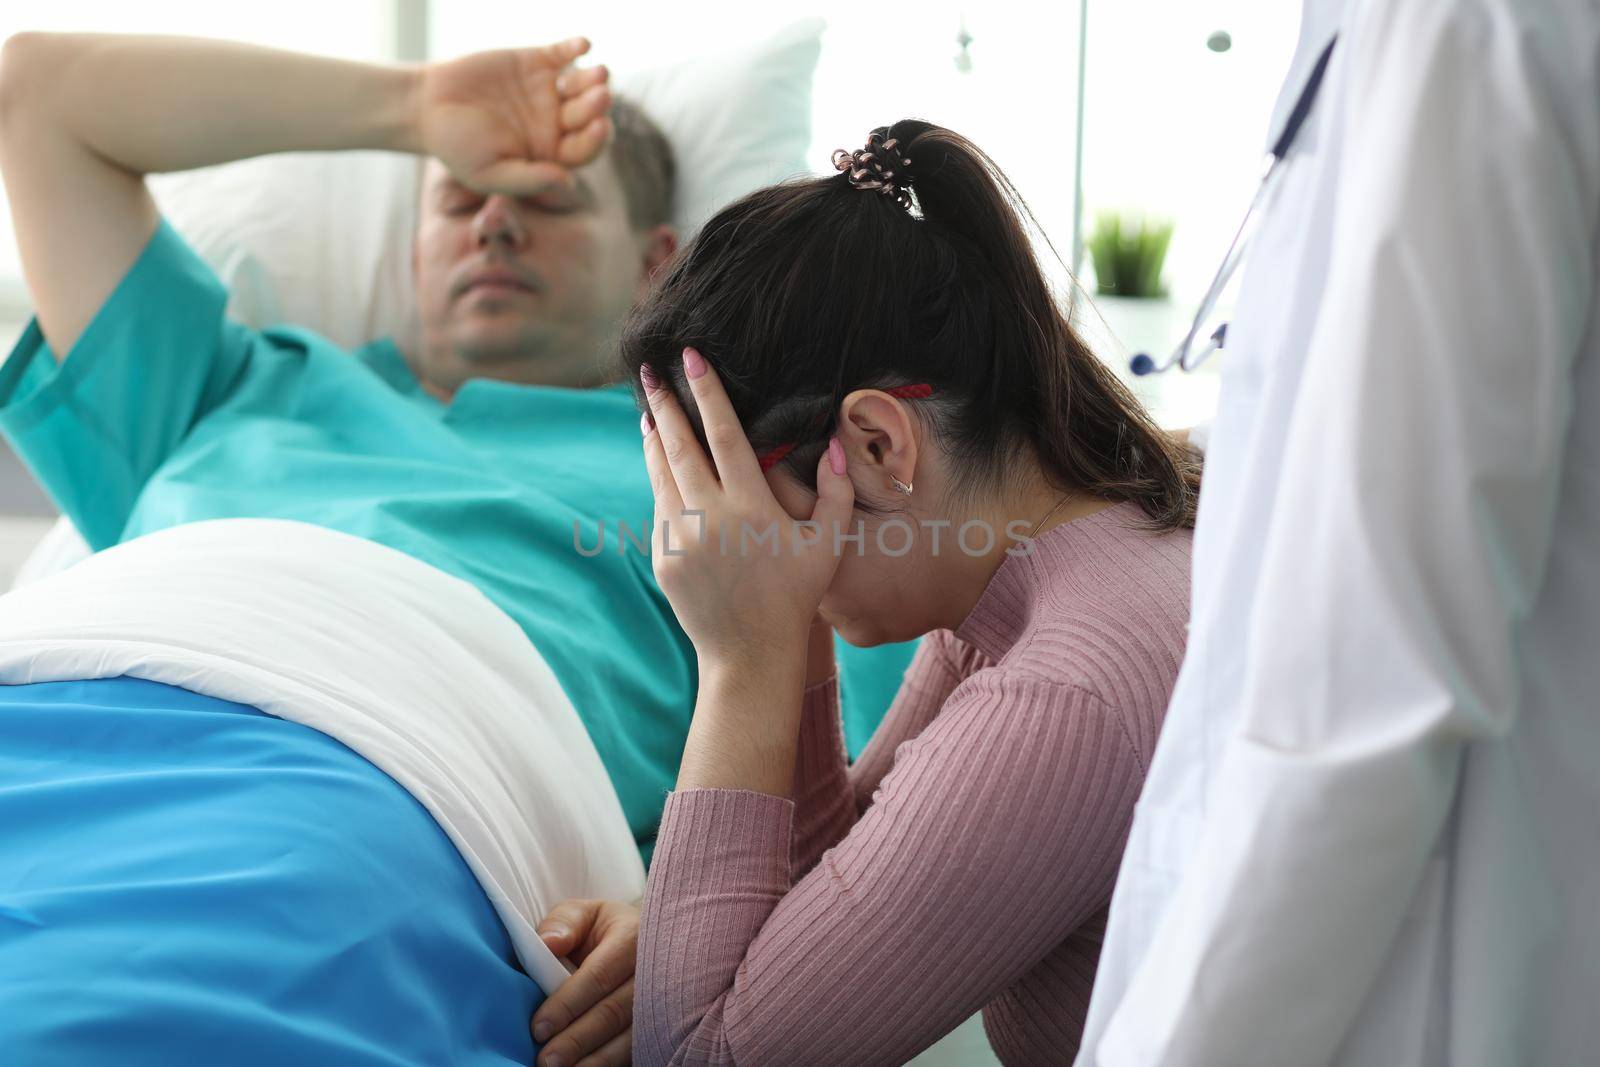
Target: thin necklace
x,y
1036,526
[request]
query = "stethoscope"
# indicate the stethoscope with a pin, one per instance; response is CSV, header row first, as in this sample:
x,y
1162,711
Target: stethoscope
x,y
1142,363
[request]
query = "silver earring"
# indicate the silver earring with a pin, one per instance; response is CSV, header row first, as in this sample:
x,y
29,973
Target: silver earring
x,y
899,486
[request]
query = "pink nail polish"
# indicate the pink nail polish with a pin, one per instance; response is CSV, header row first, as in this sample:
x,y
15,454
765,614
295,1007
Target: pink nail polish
x,y
647,378
646,424
694,364
836,456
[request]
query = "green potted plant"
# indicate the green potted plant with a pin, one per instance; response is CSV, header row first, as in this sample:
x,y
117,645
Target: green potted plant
x,y
1128,253
1131,311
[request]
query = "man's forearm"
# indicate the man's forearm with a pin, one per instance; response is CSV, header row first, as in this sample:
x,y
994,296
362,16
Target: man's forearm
x,y
152,104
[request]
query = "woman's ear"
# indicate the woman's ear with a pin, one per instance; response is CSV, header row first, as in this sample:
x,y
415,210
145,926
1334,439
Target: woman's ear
x,y
879,439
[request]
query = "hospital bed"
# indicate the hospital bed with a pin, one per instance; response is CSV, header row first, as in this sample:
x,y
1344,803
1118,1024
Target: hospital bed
x,y
324,241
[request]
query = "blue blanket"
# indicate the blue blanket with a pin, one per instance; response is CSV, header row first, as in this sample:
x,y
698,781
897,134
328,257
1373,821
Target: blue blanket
x,y
187,880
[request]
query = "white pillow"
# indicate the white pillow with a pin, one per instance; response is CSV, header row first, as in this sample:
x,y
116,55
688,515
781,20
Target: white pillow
x,y
323,240
737,121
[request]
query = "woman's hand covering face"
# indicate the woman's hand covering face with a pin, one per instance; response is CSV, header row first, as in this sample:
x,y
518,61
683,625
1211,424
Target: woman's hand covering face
x,y
743,576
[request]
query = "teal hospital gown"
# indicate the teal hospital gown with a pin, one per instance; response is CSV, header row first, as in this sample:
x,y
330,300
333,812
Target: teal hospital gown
x,y
166,412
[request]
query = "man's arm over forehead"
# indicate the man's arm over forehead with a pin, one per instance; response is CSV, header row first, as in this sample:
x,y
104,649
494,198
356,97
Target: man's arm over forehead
x,y
84,117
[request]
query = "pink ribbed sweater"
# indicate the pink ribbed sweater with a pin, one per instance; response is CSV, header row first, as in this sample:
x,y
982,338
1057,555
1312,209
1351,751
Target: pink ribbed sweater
x,y
965,861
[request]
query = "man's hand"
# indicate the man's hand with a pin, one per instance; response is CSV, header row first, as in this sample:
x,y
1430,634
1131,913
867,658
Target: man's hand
x,y
514,121
588,1022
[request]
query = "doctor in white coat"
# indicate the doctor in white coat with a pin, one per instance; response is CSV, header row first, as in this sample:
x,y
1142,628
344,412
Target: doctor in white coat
x,y
1371,831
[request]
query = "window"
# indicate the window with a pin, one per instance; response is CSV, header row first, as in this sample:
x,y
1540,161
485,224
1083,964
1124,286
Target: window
x,y
1172,127
1178,95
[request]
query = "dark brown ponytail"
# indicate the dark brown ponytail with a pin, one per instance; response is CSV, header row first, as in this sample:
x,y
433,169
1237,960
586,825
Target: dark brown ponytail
x,y
803,292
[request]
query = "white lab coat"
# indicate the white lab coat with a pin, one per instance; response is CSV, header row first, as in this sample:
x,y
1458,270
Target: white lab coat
x,y
1371,830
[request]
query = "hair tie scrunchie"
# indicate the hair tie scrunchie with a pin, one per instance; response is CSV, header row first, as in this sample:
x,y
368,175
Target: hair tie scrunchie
x,y
878,167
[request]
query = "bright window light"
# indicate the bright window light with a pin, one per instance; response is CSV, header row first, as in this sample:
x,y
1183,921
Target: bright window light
x,y
1176,129
878,64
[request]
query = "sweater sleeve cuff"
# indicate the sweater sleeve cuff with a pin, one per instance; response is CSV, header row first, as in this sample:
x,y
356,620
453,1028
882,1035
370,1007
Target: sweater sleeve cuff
x,y
820,752
712,840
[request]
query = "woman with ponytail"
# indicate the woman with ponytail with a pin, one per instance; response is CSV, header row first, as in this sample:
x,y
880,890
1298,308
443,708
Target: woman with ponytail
x,y
868,412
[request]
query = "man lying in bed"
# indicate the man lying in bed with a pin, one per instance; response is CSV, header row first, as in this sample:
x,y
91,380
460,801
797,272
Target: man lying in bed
x,y
141,410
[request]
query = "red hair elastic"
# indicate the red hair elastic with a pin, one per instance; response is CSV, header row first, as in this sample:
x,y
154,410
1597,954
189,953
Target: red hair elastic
x,y
773,456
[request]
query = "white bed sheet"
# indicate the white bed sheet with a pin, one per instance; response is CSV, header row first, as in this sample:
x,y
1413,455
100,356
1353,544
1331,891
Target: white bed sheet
x,y
415,670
